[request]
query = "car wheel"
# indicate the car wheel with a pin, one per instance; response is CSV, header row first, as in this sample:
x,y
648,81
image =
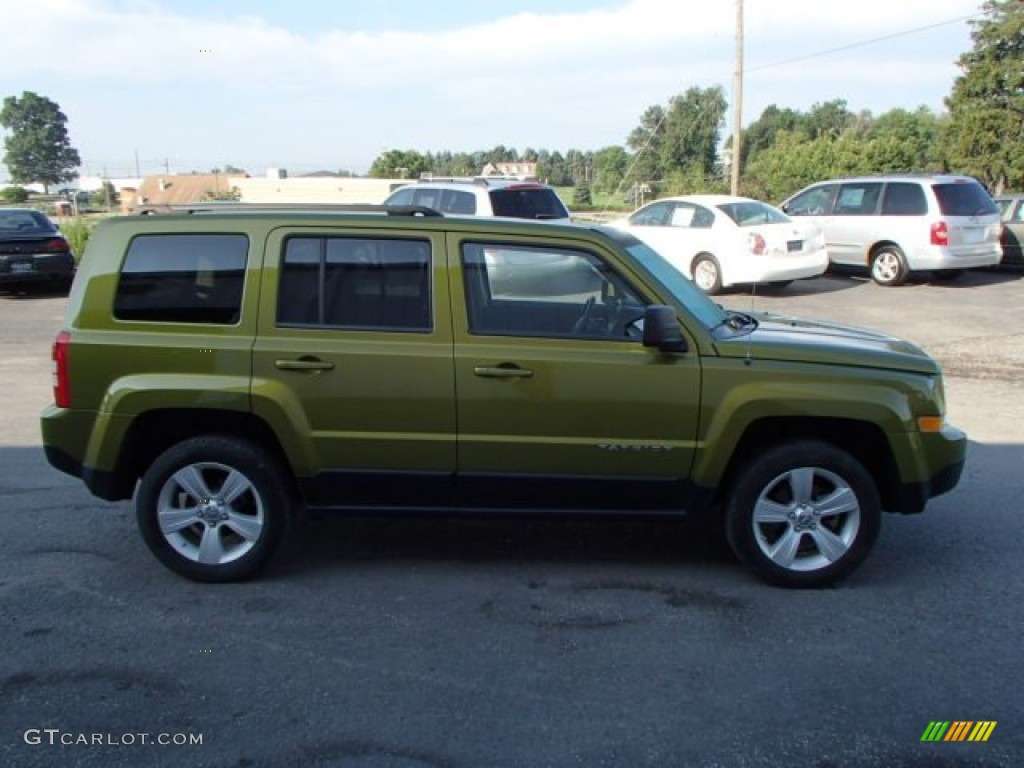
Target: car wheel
x,y
889,266
947,274
803,514
213,508
707,274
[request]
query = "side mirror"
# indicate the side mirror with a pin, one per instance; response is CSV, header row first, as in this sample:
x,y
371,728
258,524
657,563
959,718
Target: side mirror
x,y
661,329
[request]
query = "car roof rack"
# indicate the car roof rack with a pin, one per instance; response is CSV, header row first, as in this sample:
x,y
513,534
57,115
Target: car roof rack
x,y
480,181
219,207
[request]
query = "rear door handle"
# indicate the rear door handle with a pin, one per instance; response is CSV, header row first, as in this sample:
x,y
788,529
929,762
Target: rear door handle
x,y
503,372
304,364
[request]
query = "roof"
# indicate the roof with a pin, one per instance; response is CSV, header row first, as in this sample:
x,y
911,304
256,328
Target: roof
x,y
183,188
710,199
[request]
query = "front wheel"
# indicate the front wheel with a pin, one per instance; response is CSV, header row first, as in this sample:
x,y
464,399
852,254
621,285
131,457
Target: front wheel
x,y
803,514
213,508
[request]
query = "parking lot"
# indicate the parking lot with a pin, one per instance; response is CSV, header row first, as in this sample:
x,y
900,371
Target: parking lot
x,y
406,643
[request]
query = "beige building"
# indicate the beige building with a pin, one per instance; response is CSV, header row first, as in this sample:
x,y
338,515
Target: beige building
x,y
316,189
182,189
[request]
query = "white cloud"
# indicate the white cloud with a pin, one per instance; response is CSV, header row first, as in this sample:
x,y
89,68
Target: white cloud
x,y
553,80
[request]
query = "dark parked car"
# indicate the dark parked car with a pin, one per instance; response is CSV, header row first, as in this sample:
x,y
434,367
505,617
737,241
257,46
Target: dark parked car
x,y
1012,209
32,250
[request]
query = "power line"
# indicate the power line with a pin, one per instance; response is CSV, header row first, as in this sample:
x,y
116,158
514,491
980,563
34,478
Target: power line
x,y
862,43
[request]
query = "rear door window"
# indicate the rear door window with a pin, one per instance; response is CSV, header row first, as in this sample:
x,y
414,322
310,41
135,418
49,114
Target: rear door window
x,y
964,199
904,199
357,283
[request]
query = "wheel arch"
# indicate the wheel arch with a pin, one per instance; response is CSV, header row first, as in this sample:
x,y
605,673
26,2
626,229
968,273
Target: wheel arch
x,y
864,441
878,246
153,432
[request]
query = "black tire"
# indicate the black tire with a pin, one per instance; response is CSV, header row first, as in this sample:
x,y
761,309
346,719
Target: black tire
x,y
241,527
788,551
889,266
707,273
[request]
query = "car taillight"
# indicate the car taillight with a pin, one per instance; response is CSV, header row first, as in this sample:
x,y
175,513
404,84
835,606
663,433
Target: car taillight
x,y
756,244
61,379
940,233
56,245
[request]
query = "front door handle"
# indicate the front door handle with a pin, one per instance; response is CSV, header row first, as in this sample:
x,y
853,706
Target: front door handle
x,y
304,364
503,372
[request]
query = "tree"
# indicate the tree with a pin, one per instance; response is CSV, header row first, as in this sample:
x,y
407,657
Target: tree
x,y
38,148
399,164
14,194
581,197
106,195
679,145
610,166
760,134
985,135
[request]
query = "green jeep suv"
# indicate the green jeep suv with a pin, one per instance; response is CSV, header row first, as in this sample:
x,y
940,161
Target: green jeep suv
x,y
228,369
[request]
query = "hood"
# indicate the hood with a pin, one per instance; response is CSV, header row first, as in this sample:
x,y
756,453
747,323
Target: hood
x,y
794,339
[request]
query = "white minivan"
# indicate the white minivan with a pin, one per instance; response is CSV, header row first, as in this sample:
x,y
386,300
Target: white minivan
x,y
896,224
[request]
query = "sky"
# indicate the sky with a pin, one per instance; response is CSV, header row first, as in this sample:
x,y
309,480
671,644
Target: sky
x,y
188,85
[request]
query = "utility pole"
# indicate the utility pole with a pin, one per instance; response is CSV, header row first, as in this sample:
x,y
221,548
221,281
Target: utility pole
x,y
137,174
737,97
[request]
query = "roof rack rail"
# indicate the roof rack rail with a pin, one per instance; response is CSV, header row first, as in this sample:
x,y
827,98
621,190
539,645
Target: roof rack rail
x,y
217,207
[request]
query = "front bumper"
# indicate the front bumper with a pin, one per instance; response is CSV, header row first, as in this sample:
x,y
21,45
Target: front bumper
x,y
943,455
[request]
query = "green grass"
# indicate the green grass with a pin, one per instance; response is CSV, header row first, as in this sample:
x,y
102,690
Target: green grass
x,y
77,231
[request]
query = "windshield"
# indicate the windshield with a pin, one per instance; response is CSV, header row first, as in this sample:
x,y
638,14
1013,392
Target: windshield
x,y
671,279
751,213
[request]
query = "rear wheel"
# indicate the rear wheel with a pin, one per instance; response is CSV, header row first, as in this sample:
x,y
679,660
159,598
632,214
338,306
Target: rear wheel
x,y
889,266
803,514
707,273
213,508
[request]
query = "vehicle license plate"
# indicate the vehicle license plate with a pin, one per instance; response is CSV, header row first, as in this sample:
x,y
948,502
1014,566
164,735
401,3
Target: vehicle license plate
x,y
21,266
973,235
794,245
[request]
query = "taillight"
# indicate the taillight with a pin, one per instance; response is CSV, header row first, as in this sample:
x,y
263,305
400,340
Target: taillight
x,y
61,380
56,245
756,244
940,233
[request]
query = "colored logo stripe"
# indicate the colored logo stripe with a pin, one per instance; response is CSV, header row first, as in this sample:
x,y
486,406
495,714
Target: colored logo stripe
x,y
982,730
958,730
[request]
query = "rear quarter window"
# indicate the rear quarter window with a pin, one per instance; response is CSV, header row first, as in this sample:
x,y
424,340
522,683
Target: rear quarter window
x,y
964,199
183,279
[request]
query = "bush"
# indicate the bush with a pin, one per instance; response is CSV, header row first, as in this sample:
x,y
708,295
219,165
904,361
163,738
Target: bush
x,y
77,231
14,194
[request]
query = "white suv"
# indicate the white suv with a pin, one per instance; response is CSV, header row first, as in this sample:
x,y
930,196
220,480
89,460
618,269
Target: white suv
x,y
895,224
482,196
